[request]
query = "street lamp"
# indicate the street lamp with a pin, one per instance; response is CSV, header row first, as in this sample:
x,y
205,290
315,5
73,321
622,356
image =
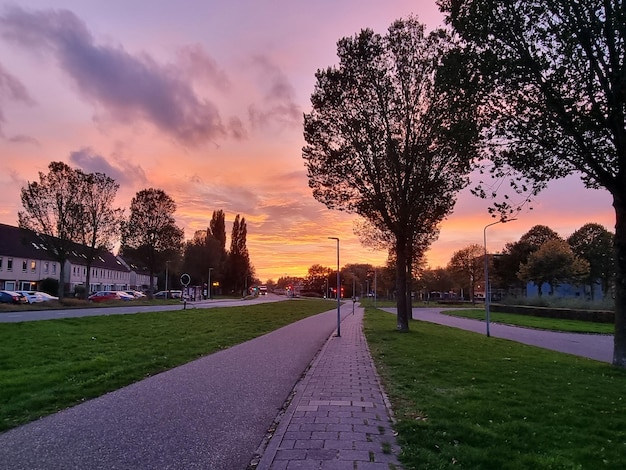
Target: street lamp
x,y
167,264
487,291
210,269
338,303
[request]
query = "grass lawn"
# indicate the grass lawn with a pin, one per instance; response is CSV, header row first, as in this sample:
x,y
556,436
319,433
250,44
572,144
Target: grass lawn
x,y
50,365
463,400
527,321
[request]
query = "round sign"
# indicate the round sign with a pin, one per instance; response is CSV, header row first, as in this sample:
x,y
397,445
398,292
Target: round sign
x,y
185,279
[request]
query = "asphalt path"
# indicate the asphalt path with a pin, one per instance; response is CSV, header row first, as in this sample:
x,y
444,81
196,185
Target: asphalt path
x,y
598,347
129,308
211,413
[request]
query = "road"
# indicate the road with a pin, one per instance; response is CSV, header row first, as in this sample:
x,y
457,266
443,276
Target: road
x,y
32,315
211,413
598,347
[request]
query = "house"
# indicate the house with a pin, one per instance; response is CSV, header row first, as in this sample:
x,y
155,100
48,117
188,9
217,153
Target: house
x,y
24,259
25,262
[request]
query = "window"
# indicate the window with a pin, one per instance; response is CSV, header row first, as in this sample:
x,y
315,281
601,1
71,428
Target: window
x,y
10,264
46,267
33,266
0,263
24,266
54,268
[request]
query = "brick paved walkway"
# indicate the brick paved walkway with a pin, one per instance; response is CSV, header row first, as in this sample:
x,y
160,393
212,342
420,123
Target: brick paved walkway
x,y
338,418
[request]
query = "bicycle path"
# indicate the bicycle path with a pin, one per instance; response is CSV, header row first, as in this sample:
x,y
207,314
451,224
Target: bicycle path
x,y
211,413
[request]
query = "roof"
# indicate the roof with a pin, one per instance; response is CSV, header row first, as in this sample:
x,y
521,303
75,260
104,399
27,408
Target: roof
x,y
22,243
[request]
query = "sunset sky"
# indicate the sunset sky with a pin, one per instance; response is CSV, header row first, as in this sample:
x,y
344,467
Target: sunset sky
x,y
204,99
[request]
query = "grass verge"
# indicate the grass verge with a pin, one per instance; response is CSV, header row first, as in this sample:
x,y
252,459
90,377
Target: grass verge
x,y
462,400
528,321
50,365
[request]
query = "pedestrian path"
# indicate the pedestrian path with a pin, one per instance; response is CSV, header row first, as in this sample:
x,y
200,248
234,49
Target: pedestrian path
x,y
339,416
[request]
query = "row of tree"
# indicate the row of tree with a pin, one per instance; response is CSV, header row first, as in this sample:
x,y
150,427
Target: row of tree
x,y
526,90
69,206
540,256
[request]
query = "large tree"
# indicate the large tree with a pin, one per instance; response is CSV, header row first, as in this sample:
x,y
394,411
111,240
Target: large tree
x,y
553,263
514,254
52,208
383,140
594,243
317,279
467,266
101,221
150,235
554,101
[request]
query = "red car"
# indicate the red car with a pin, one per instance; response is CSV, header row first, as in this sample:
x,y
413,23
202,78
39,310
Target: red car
x,y
108,295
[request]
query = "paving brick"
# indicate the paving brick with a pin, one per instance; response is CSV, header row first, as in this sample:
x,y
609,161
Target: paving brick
x,y
337,419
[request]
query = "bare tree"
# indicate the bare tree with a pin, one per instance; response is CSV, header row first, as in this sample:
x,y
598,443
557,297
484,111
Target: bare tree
x,y
52,208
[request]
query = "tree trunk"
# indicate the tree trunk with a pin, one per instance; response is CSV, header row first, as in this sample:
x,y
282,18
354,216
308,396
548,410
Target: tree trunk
x,y
409,284
401,282
61,291
87,282
619,349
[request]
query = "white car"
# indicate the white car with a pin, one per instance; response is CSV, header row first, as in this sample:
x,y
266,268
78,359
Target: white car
x,y
135,293
46,297
32,296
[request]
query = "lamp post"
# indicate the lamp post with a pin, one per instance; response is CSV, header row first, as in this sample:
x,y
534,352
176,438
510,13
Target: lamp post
x,y
338,287
487,290
375,286
167,264
209,286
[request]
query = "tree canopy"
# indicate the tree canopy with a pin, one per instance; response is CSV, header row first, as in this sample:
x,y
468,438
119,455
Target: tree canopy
x,y
383,140
550,78
51,208
150,234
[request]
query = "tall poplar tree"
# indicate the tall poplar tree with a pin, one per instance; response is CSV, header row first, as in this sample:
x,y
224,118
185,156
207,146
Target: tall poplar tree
x,y
238,258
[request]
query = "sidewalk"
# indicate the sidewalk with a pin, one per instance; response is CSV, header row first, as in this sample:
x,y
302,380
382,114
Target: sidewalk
x,y
339,416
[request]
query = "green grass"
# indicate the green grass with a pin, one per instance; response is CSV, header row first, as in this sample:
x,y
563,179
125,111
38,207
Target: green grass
x,y
466,401
528,321
50,365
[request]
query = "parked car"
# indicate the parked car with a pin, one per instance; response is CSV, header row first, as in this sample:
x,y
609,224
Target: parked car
x,y
31,295
108,295
12,297
135,293
172,294
46,297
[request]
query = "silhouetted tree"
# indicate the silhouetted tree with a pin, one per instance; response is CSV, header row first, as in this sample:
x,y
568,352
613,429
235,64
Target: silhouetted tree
x,y
594,244
553,263
101,221
52,208
239,268
551,78
383,140
467,267
150,235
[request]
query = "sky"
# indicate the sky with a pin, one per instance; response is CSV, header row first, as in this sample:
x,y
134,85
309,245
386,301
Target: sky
x,y
204,99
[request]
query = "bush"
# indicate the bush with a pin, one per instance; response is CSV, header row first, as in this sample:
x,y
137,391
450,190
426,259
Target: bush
x,y
49,286
576,303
